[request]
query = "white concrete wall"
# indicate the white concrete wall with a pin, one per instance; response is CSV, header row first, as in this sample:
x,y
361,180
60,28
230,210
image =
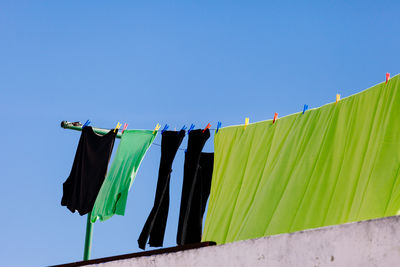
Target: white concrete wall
x,y
367,243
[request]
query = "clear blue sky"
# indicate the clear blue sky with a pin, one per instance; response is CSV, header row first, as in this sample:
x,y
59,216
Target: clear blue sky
x,y
149,62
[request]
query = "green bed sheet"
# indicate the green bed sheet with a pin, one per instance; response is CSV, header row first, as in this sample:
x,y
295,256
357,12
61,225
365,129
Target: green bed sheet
x,y
335,164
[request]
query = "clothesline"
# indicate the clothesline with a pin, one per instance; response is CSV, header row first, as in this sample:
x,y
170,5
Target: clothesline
x,y
183,149
78,127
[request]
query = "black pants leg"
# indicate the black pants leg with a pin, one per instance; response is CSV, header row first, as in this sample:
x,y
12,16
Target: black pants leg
x,y
190,217
157,220
199,201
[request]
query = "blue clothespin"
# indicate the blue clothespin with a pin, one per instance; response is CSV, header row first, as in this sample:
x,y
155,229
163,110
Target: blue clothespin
x,y
165,128
191,127
183,128
86,124
305,108
218,126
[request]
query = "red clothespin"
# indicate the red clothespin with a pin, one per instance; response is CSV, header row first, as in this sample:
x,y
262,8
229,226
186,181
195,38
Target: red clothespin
x,y
125,126
207,127
275,117
387,76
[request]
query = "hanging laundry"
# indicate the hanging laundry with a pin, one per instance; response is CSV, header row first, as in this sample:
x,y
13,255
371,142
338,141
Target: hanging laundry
x,y
114,191
157,220
192,230
338,164
88,170
195,189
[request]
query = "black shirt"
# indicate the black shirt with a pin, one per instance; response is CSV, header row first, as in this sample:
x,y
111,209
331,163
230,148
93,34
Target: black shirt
x,y
88,170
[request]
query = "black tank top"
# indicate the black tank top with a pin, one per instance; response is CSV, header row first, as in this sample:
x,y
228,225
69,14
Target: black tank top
x,y
88,170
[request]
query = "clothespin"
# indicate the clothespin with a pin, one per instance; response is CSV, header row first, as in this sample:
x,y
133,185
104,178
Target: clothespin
x,y
125,126
337,98
207,127
218,126
387,76
86,124
117,127
191,128
246,122
275,117
183,128
305,108
165,128
156,128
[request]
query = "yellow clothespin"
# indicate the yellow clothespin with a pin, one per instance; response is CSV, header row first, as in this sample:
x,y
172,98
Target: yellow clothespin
x,y
157,128
337,98
246,122
117,127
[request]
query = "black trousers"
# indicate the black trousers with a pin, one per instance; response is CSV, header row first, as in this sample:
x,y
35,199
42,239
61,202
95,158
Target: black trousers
x,y
198,170
157,220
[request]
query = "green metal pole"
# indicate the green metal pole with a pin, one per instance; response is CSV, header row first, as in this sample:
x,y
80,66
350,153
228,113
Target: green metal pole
x,y
88,238
78,127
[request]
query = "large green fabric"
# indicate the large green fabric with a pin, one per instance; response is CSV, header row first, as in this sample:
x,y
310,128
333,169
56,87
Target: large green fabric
x,y
335,164
114,191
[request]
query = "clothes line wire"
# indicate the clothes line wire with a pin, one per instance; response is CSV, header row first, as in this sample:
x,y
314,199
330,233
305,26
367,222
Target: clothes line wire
x,y
183,149
78,127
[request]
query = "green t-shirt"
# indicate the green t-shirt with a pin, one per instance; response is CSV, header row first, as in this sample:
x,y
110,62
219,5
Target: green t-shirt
x,y
114,191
